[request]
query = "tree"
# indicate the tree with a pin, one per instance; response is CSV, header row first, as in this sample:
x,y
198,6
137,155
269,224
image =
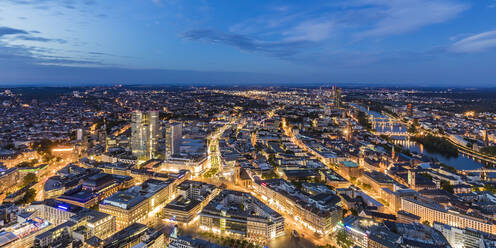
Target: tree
x,y
412,129
426,222
489,150
25,164
367,186
445,185
29,197
363,120
9,146
343,240
29,178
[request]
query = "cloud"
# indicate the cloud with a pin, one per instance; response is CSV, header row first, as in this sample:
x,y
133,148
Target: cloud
x,y
157,2
274,48
39,39
10,31
12,54
475,43
314,30
19,34
492,4
402,16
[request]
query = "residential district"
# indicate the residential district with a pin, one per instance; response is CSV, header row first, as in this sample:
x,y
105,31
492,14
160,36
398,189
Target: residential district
x,y
182,167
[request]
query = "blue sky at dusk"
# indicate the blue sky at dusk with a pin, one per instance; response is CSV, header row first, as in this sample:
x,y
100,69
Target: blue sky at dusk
x,y
392,42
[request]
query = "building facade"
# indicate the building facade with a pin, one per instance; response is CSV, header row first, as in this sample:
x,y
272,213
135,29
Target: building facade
x,y
144,134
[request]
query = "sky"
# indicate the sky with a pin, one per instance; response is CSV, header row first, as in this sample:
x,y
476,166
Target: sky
x,y
371,42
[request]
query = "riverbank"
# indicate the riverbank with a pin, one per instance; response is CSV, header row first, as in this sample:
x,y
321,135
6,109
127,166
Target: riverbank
x,y
460,162
436,144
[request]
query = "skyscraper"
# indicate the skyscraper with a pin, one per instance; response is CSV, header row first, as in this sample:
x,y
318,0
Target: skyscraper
x,y
79,134
144,134
336,94
349,131
173,136
409,110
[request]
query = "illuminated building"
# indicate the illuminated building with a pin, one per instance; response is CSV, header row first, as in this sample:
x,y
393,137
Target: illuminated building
x,y
409,110
135,235
144,134
378,180
68,221
337,96
365,232
319,213
134,204
79,134
239,213
8,178
433,212
94,189
174,135
458,237
348,132
192,197
22,234
349,169
195,164
85,224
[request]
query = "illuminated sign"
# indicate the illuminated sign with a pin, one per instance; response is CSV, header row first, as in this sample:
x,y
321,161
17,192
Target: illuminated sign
x,y
65,208
63,149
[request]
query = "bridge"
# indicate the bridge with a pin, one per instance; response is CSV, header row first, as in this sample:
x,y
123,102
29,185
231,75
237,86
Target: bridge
x,y
471,153
481,170
390,133
387,126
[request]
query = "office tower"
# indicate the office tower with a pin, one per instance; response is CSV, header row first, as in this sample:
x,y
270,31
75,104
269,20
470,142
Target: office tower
x,y
153,134
338,98
485,137
349,131
173,136
336,93
411,178
409,110
144,134
79,134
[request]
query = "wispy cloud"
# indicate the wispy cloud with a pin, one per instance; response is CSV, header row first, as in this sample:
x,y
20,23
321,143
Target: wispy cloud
x,y
10,31
307,34
19,34
39,39
26,55
492,4
476,43
157,2
402,16
314,30
273,48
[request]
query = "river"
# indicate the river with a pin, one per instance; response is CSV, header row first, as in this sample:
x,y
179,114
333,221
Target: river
x,y
462,162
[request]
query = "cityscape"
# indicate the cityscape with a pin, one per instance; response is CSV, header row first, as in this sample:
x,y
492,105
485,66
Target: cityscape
x,y
126,166
247,124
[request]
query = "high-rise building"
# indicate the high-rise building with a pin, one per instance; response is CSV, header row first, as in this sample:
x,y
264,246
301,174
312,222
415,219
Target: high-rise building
x,y
409,110
79,134
485,137
336,94
348,131
174,136
144,134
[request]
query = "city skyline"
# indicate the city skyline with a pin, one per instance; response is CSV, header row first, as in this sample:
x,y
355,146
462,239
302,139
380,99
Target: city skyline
x,y
396,43
252,167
